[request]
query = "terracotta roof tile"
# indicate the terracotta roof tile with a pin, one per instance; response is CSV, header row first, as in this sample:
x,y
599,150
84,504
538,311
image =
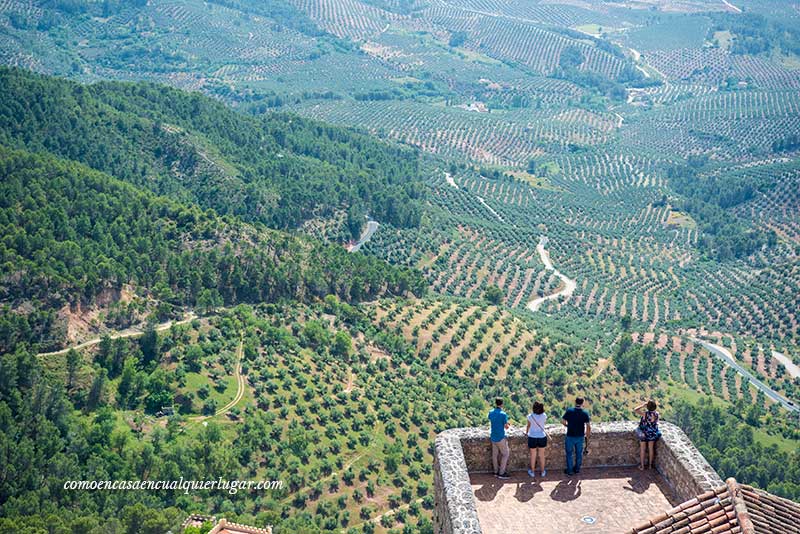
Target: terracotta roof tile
x,y
674,511
694,509
689,503
770,513
665,525
699,516
659,518
642,526
226,527
731,509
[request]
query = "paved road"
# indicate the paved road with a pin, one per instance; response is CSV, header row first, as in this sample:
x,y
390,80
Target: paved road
x,y
725,355
372,227
733,7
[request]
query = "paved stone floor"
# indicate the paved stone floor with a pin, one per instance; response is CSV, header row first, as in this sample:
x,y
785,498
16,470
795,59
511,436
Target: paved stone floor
x,y
617,499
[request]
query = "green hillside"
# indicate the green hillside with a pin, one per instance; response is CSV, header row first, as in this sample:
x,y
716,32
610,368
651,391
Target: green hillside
x,y
71,233
279,170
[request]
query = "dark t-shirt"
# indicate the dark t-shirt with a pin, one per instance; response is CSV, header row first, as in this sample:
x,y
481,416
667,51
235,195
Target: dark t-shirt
x,y
576,418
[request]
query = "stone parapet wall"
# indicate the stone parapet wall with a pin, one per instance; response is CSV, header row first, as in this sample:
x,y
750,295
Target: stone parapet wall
x,y
454,510
461,451
610,444
681,464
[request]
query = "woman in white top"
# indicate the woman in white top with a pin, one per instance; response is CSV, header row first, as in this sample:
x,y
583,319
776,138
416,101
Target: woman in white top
x,y
537,438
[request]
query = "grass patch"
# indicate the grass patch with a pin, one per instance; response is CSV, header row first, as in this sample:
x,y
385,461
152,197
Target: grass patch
x,y
761,436
194,381
538,182
427,39
724,39
649,71
595,30
427,260
475,57
790,61
684,220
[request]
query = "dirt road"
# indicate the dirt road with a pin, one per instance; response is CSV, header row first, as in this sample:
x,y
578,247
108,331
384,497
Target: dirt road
x,y
130,332
569,284
240,385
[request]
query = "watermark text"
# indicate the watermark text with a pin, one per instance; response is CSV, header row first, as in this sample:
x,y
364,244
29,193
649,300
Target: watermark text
x,y
186,486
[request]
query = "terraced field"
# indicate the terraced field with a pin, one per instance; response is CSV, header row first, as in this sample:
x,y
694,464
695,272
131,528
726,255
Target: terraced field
x,y
471,340
507,352
631,258
502,352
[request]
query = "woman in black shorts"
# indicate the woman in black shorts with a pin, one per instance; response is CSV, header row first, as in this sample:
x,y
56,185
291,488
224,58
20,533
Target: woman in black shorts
x,y
537,438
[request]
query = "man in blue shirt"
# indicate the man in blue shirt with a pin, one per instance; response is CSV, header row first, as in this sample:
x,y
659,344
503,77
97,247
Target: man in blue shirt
x,y
499,423
579,427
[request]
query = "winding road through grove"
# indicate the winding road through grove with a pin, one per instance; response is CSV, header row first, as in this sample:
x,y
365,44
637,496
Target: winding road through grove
x,y
569,283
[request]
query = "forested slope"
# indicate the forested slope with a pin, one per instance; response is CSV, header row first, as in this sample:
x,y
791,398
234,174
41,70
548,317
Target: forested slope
x,y
276,169
70,232
296,424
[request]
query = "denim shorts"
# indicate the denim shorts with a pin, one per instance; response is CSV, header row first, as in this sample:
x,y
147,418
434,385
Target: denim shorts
x,y
537,443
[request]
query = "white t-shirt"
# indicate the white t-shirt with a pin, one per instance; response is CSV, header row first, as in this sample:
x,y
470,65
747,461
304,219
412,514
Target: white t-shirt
x,y
534,431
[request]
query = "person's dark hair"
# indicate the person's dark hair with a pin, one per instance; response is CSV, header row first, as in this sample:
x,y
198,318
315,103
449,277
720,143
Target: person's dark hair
x,y
651,405
498,402
538,408
579,401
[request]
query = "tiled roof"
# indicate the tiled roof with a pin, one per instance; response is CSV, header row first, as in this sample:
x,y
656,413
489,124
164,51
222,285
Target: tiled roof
x,y
730,509
770,514
223,526
710,512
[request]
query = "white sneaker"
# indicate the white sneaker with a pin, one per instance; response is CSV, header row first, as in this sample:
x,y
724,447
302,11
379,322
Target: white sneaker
x,y
531,473
544,473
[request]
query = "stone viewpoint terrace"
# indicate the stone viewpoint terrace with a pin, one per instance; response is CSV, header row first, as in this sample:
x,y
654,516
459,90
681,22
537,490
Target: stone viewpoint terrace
x,y
609,495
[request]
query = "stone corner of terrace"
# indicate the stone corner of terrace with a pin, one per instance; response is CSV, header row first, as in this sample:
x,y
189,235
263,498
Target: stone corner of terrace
x,y
468,500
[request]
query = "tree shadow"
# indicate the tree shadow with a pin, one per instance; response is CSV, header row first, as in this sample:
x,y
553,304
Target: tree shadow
x,y
566,490
488,491
526,490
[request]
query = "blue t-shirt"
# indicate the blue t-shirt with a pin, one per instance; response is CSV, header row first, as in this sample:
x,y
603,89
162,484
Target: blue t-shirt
x,y
576,418
498,418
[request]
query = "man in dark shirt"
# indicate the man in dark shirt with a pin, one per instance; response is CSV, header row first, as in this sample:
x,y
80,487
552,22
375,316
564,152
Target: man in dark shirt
x,y
579,427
